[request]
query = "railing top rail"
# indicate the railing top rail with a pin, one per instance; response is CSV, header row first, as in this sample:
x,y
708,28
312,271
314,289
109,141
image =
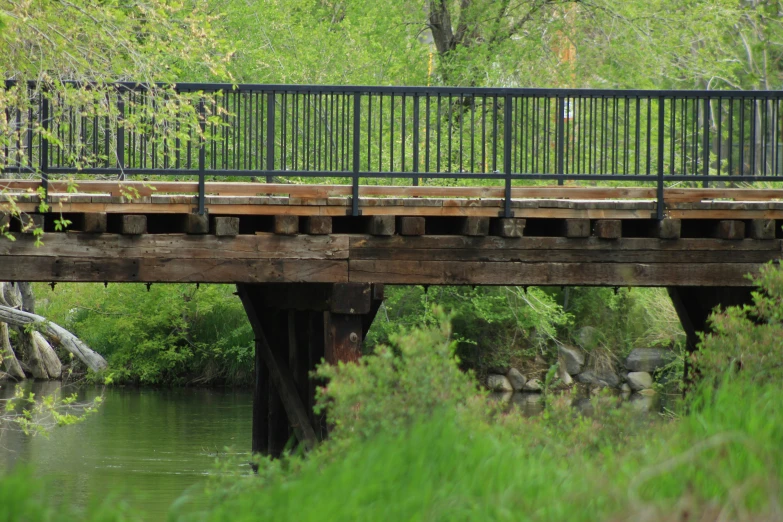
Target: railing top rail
x,y
479,91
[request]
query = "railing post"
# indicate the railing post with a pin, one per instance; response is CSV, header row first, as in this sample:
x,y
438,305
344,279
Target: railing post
x,y
356,144
270,136
661,141
706,141
507,128
44,157
415,138
202,158
560,137
120,135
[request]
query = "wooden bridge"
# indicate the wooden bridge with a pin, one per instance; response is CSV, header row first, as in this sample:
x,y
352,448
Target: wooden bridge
x,y
431,186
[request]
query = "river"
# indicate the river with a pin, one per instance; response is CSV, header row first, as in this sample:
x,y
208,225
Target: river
x,y
148,445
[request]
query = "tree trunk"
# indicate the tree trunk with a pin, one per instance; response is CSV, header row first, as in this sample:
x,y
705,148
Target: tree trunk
x,y
28,298
57,334
10,362
51,362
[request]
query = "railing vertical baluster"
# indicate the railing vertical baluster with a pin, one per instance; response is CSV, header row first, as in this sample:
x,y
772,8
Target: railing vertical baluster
x,y
507,127
120,135
44,157
560,137
661,139
270,136
415,138
202,158
706,141
356,144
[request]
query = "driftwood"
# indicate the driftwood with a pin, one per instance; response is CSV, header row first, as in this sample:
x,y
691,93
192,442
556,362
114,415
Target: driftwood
x,y
10,362
55,333
52,364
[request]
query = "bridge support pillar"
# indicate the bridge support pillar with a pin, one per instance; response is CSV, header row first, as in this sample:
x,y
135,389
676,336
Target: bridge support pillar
x,y
695,303
296,326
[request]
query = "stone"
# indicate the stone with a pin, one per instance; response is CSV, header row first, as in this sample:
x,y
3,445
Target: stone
x,y
572,358
599,377
516,379
564,376
624,388
533,385
499,383
640,381
501,397
648,359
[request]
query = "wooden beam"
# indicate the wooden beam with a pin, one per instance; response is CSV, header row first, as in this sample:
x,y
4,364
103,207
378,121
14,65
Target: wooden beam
x,y
474,226
608,229
350,298
196,224
411,225
286,388
225,226
729,229
576,228
318,225
343,338
380,225
763,229
93,223
554,274
286,225
667,228
133,224
508,227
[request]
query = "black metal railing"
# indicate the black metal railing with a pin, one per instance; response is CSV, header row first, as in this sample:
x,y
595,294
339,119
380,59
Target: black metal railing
x,y
406,134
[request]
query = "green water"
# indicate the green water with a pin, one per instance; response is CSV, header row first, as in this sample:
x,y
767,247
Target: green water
x,y
149,446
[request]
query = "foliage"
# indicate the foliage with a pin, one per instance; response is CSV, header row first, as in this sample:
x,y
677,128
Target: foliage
x,y
165,335
748,341
400,383
38,416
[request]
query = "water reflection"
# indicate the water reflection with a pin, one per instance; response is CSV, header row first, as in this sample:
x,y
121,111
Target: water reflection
x,y
150,445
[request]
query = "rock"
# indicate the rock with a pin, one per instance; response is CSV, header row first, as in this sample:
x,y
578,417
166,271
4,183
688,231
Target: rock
x,y
600,377
564,376
572,358
516,379
588,337
624,388
648,359
529,404
640,381
499,383
533,385
501,398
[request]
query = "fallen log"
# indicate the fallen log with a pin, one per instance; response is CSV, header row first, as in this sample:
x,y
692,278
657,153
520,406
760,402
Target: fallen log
x,y
56,334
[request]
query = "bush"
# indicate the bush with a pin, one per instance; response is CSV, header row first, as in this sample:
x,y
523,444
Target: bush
x,y
167,334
